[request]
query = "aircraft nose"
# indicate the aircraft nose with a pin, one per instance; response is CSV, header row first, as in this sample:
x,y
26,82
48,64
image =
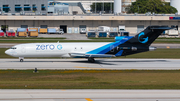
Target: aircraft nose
x,y
7,52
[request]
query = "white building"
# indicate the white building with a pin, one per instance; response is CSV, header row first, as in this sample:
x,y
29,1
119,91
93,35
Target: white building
x,y
175,3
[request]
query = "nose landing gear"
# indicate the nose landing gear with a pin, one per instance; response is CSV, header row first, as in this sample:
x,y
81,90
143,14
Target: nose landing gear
x,y
21,59
91,60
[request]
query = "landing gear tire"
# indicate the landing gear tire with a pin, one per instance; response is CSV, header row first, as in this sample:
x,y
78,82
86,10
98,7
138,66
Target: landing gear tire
x,y
91,60
21,60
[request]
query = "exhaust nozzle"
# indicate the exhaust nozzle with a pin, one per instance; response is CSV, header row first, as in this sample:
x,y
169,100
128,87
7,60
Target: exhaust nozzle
x,y
152,48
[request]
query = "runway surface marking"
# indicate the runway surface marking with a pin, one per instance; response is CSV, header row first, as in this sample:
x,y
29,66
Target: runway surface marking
x,y
88,99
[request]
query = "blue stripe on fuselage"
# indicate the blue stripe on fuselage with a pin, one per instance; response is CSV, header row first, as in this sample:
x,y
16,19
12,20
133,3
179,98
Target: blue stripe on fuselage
x,y
96,51
107,48
119,53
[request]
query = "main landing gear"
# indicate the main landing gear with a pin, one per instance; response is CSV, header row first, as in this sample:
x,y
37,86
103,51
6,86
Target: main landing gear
x,y
21,59
91,60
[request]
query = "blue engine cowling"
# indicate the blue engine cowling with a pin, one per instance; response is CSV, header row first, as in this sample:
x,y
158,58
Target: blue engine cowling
x,y
120,38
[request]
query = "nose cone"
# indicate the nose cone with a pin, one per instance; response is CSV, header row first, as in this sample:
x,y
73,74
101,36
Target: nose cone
x,y
7,52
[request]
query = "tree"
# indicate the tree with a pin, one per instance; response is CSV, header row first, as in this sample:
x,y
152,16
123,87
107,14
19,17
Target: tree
x,y
156,6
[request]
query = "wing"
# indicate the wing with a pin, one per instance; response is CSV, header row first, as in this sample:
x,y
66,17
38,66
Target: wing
x,y
82,55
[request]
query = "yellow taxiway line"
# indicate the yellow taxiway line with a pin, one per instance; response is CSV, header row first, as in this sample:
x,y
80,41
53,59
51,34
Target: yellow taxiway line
x,y
88,99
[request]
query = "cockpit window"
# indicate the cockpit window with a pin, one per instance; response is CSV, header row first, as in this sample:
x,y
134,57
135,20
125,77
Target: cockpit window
x,y
13,47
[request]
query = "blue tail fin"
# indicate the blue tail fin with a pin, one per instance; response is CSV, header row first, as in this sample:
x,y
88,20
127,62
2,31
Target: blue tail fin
x,y
149,35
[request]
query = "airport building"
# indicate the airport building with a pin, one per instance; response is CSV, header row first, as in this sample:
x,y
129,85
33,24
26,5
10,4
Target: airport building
x,y
23,6
58,16
58,7
72,24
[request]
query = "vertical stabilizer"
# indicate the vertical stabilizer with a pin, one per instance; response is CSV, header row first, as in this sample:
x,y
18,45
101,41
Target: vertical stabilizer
x,y
149,35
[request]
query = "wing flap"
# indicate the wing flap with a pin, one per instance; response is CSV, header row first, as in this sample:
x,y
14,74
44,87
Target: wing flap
x,y
82,55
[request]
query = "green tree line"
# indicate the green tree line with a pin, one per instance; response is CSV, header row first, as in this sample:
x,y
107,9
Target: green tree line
x,y
156,6
140,6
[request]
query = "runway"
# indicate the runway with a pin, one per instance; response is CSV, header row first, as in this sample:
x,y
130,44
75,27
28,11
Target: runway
x,y
89,95
100,64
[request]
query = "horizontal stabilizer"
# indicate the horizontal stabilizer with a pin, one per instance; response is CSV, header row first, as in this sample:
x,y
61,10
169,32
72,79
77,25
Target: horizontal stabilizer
x,y
161,27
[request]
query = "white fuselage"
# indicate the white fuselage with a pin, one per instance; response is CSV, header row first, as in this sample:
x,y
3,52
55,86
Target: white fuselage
x,y
52,49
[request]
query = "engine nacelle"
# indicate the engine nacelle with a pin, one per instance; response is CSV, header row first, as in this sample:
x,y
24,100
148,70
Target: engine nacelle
x,y
152,48
119,38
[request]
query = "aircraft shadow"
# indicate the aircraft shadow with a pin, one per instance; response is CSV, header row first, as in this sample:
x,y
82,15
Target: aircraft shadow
x,y
124,61
100,62
82,61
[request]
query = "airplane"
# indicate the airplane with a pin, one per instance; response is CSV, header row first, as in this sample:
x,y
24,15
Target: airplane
x,y
123,46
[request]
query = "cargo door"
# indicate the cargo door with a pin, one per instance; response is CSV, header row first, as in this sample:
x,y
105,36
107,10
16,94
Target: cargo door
x,y
76,30
4,28
69,30
64,28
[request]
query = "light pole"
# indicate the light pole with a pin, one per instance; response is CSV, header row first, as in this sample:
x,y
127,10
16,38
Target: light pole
x,y
95,7
111,7
150,21
103,6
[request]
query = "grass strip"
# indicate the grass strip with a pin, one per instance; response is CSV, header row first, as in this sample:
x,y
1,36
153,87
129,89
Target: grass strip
x,y
90,79
159,53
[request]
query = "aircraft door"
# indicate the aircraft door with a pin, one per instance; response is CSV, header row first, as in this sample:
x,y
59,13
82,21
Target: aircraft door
x,y
23,49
